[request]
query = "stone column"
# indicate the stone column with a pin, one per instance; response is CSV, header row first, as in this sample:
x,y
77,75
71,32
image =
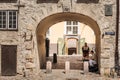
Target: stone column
x,y
67,67
49,67
86,67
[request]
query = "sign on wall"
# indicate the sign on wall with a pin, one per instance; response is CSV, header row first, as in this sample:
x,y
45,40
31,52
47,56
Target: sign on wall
x,y
108,10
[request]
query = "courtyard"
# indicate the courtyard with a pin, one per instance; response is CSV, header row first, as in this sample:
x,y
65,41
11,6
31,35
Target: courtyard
x,y
58,74
23,44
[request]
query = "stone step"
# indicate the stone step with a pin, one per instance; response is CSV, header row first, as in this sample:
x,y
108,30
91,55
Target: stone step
x,y
76,62
76,66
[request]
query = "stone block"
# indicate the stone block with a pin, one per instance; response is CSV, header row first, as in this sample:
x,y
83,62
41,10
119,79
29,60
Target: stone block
x,y
29,28
102,71
29,47
115,75
28,33
28,37
107,71
86,67
67,67
27,52
105,55
112,62
49,67
19,70
112,71
105,63
107,36
29,58
106,47
27,73
29,65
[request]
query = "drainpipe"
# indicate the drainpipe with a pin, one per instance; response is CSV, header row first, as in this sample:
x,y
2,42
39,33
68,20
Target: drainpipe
x,y
117,37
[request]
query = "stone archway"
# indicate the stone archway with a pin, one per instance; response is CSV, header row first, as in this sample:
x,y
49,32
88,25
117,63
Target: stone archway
x,y
47,22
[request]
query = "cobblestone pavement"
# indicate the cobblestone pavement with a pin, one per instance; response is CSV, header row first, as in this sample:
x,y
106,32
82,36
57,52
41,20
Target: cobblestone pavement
x,y
60,75
75,75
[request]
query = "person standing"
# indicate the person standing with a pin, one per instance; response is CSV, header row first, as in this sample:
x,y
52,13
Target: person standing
x,y
85,50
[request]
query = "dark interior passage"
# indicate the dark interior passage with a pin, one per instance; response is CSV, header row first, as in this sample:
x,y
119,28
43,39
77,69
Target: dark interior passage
x,y
71,51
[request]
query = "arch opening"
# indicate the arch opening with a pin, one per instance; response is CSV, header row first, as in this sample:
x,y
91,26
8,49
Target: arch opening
x,y
47,22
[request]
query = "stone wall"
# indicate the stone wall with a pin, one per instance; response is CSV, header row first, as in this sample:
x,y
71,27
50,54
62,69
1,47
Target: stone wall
x,y
30,16
119,37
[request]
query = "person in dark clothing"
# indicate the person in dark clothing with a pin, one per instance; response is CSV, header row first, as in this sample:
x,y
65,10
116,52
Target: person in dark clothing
x,y
85,50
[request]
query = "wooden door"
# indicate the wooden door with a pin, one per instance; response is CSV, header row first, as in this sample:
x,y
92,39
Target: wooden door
x,y
8,60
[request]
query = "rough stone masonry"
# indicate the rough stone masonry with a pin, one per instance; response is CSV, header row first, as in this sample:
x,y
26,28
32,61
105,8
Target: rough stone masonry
x,y
33,13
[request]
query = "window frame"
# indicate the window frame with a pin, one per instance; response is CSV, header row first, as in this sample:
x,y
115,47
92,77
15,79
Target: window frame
x,y
3,20
72,28
7,21
75,29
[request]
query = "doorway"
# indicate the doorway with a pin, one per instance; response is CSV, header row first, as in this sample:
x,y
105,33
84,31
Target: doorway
x,y
72,44
9,53
72,51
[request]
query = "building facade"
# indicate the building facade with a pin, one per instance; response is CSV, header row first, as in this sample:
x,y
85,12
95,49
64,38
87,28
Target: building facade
x,y
68,37
24,23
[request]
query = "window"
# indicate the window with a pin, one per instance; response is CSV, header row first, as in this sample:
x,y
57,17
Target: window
x,y
87,1
8,20
12,20
75,23
72,27
3,20
69,30
8,1
75,30
68,22
47,1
